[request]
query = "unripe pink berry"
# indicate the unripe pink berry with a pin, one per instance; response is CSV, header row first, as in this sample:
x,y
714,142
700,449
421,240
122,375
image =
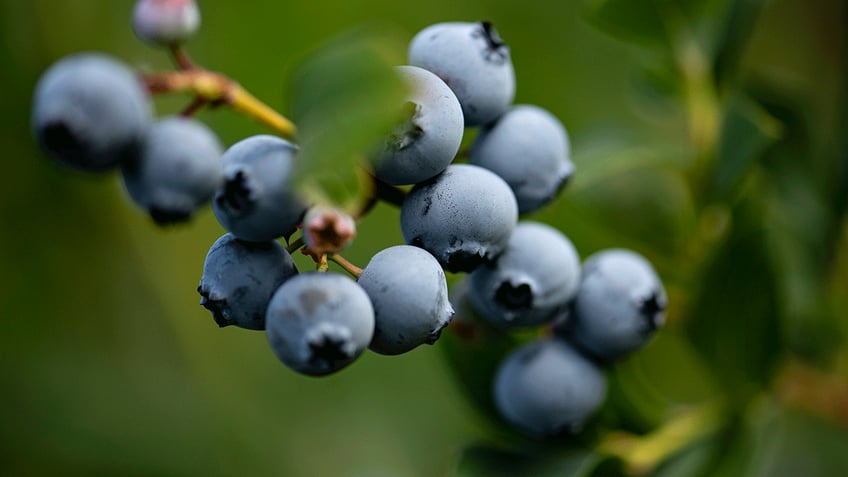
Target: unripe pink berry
x,y
165,22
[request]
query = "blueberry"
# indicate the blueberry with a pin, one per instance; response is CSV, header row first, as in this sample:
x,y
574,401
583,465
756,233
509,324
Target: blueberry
x,y
464,216
473,60
407,287
547,388
239,279
318,323
619,305
529,148
165,22
178,169
257,201
429,139
90,112
531,282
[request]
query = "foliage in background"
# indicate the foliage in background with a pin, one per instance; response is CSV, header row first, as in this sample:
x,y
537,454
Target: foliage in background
x,y
711,136
754,257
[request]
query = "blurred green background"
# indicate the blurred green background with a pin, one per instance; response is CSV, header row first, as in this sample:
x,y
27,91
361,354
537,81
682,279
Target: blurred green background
x,y
711,136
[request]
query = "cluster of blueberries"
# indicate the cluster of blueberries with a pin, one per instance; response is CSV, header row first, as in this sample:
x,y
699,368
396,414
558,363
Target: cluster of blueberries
x,y
92,112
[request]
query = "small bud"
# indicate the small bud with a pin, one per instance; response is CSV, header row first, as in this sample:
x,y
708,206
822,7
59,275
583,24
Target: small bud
x,y
327,230
165,22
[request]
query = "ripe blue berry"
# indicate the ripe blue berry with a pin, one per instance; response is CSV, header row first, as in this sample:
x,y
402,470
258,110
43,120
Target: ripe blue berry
x,y
318,323
464,216
473,60
165,22
407,287
529,148
546,388
90,112
619,305
531,282
178,169
257,201
239,279
429,139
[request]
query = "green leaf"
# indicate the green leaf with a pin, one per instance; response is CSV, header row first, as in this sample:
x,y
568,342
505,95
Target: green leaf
x,y
692,459
637,21
599,164
746,133
632,404
662,24
486,461
346,97
737,26
799,218
635,196
801,444
771,441
734,321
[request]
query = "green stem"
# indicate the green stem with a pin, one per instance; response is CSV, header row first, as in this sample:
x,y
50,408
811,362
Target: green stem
x,y
295,245
181,58
217,88
323,265
345,264
642,454
193,107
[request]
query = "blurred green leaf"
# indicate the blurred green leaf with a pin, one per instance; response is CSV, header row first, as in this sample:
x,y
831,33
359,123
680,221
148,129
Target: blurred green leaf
x,y
746,132
632,405
736,28
346,96
637,21
484,461
658,86
692,460
716,25
769,441
598,165
804,223
798,243
794,443
734,321
635,196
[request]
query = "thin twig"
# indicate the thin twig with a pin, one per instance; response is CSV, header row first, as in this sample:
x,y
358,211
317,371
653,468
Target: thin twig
x,y
345,264
216,88
181,58
295,245
196,105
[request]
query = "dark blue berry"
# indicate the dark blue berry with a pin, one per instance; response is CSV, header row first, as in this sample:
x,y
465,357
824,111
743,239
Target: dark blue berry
x,y
90,112
239,279
318,323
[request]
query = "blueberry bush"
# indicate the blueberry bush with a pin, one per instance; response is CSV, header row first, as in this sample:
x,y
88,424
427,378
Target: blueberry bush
x,y
601,238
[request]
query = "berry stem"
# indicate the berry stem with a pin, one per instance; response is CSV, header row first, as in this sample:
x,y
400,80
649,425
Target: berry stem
x,y
345,264
196,105
217,88
247,104
323,264
181,58
295,245
642,454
